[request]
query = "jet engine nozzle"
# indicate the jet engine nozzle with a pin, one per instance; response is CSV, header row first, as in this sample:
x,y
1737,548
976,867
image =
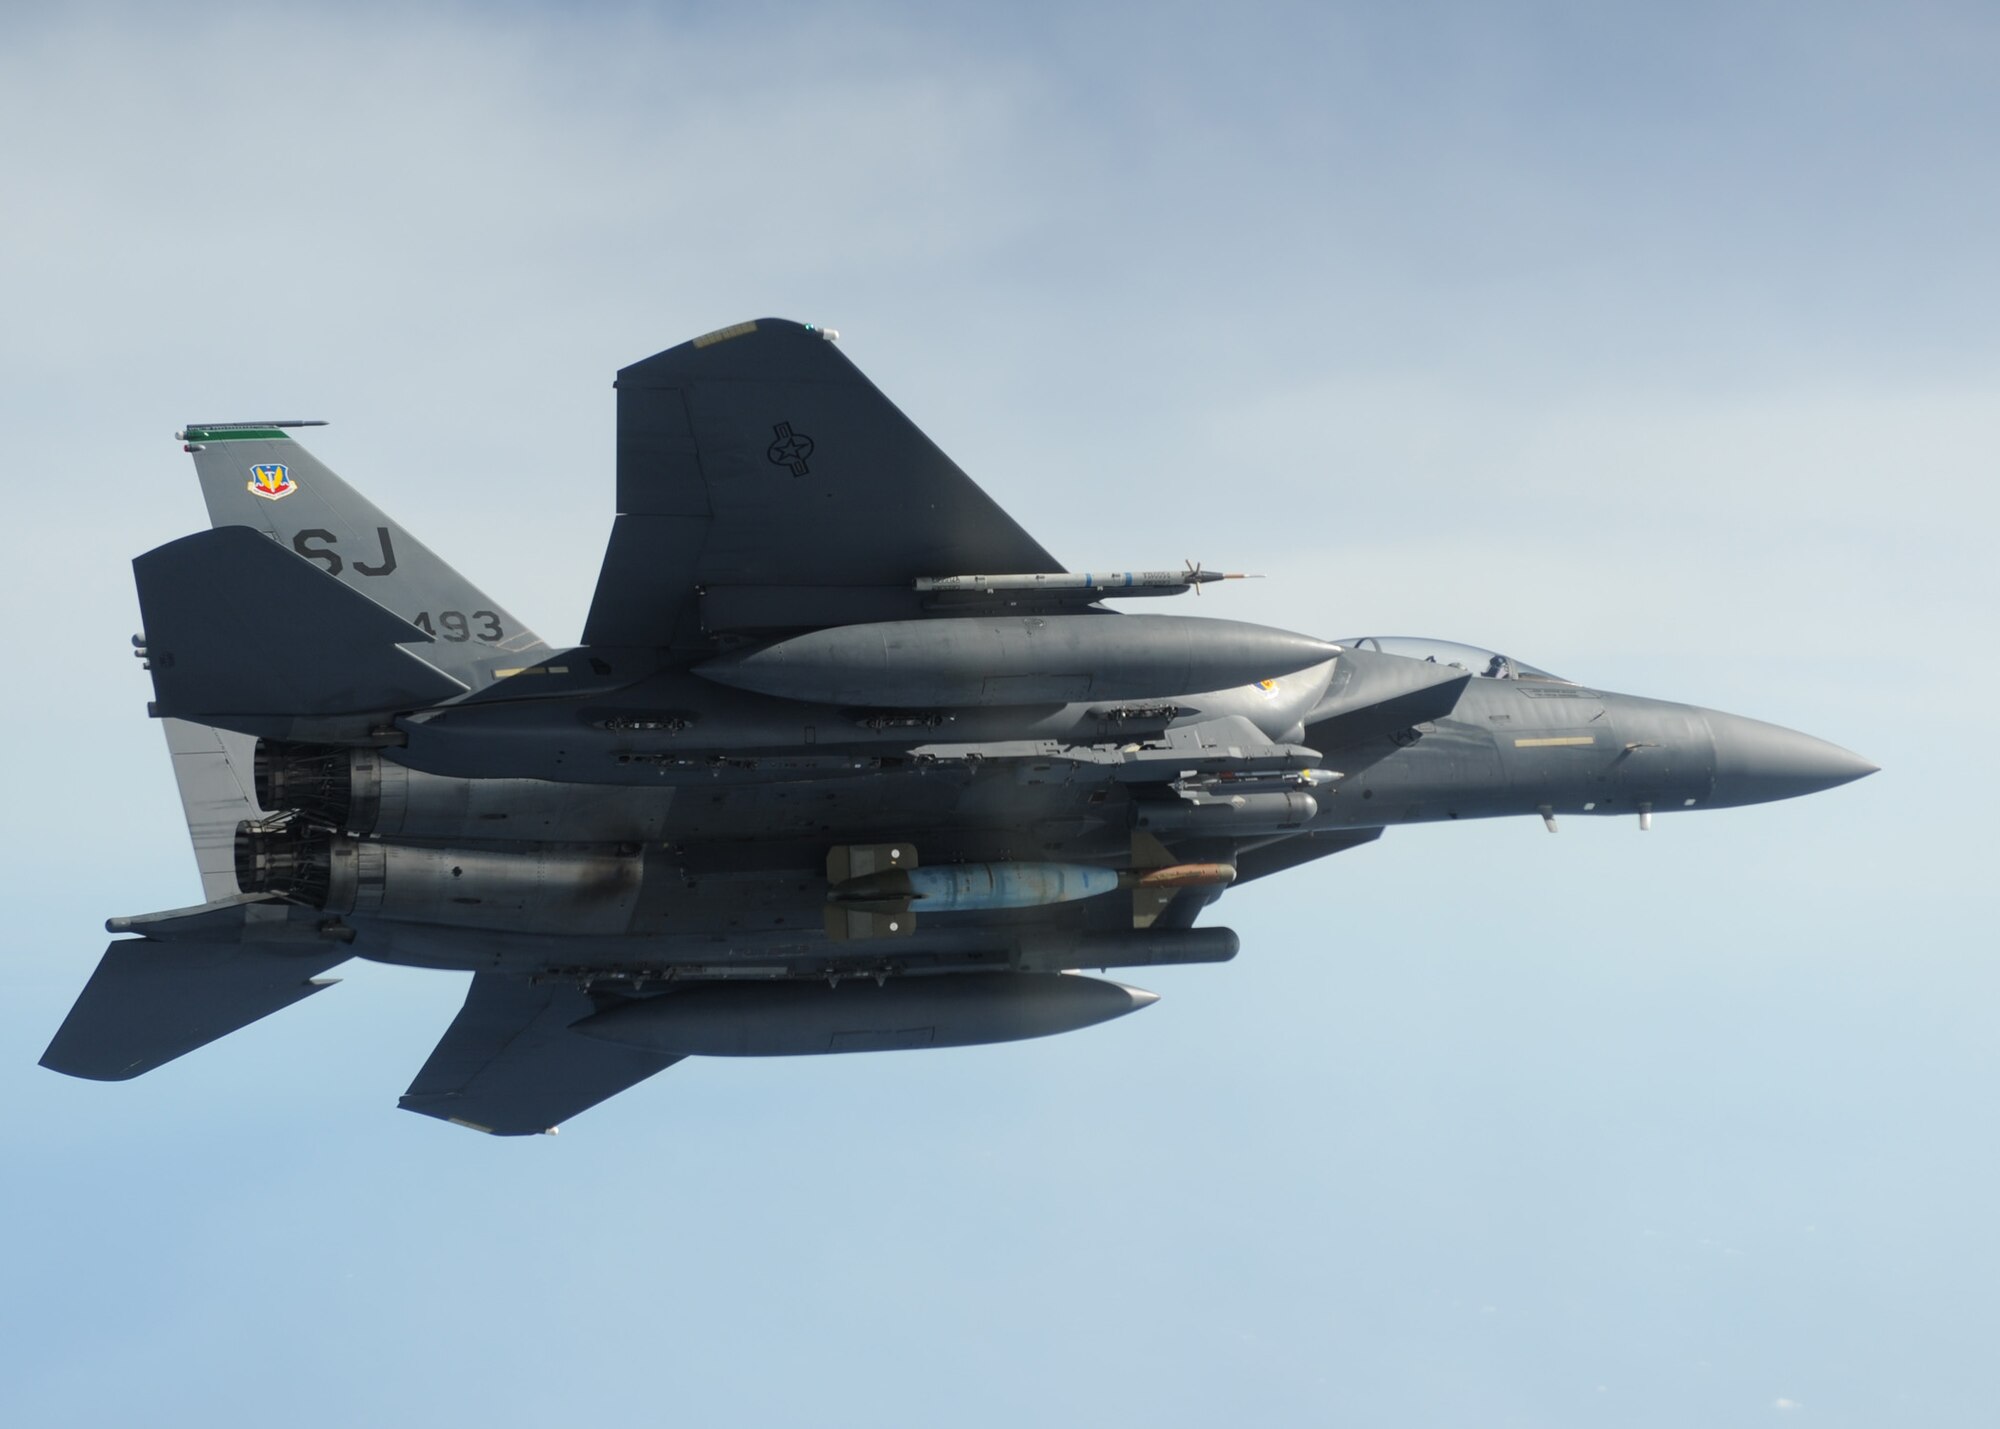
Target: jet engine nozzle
x,y
289,857
335,784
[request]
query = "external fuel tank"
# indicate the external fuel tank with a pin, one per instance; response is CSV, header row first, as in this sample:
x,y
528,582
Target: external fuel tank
x,y
1016,660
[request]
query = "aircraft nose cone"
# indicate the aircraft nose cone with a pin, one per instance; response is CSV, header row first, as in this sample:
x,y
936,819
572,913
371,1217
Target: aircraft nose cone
x,y
1757,762
1140,997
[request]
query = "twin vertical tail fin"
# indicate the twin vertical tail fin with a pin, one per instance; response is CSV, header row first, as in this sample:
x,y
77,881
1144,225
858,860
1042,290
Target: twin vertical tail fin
x,y
256,475
341,610
306,605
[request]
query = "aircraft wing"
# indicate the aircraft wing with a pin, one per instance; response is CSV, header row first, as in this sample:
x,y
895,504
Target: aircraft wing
x,y
509,1064
764,483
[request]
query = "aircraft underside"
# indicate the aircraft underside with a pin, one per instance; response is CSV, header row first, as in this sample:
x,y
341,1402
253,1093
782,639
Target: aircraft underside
x,y
844,761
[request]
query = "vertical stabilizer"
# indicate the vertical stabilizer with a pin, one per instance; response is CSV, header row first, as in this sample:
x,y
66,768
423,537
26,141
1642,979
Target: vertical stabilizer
x,y
215,769
256,475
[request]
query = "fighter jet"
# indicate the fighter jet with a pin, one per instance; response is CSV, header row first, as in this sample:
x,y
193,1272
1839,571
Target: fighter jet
x,y
844,762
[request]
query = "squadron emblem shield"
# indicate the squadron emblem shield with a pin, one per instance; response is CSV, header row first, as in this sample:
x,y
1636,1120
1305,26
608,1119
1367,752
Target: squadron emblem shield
x,y
271,480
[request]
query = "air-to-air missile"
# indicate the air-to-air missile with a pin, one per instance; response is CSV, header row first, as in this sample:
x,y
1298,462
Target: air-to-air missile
x,y
696,831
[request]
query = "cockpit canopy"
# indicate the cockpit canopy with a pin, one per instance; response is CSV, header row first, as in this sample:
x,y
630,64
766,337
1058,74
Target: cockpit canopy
x,y
1486,664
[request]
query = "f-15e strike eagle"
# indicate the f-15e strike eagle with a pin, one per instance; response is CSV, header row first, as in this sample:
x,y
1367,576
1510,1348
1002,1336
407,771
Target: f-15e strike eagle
x,y
844,762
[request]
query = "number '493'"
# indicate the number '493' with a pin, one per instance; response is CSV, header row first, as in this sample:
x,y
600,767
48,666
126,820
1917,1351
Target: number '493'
x,y
455,625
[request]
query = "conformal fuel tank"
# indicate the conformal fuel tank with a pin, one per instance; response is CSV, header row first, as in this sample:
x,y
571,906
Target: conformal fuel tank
x,y
795,1019
1016,660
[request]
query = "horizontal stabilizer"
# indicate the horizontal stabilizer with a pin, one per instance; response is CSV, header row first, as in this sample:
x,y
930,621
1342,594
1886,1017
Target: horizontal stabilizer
x,y
510,1065
235,918
238,626
150,1002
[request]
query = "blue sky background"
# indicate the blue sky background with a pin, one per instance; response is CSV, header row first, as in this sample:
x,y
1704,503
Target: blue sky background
x,y
1654,345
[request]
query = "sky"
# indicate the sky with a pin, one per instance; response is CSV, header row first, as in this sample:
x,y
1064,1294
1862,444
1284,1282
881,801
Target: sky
x,y
1652,345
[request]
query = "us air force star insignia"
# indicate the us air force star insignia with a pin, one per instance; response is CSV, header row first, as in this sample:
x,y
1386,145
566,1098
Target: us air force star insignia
x,y
790,448
271,481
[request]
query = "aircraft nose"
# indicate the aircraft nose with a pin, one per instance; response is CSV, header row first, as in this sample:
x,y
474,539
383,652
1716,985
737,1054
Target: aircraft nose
x,y
1757,762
